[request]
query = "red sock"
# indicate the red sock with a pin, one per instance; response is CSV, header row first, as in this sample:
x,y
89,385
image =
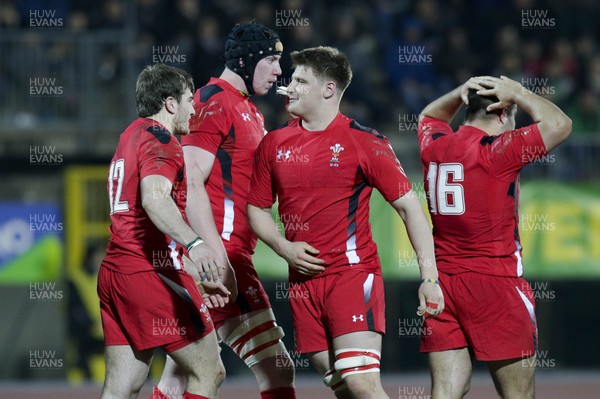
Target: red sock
x,y
279,393
187,395
157,394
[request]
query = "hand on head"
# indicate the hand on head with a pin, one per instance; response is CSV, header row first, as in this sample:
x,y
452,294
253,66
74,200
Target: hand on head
x,y
503,88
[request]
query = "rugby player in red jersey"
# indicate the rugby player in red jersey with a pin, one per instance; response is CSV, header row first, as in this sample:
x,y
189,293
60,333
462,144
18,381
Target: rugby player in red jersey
x,y
147,299
472,181
322,168
218,153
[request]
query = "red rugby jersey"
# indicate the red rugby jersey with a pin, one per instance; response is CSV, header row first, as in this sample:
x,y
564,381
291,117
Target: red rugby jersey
x,y
472,185
323,181
145,148
228,125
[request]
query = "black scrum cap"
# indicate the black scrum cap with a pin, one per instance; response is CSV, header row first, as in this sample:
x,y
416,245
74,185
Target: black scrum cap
x,y
246,45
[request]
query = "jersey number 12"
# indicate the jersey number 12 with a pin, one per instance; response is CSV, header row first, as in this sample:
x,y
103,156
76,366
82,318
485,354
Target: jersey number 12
x,y
116,172
445,198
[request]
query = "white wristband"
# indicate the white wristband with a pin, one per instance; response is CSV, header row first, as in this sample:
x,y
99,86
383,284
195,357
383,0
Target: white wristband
x,y
194,244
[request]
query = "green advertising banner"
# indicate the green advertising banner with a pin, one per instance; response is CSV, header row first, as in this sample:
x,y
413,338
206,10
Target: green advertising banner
x,y
559,228
31,245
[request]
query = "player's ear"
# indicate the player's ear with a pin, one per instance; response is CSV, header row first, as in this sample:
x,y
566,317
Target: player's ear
x,y
329,89
170,104
503,115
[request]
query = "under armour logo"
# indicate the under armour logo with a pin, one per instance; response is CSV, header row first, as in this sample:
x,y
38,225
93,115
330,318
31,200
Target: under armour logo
x,y
246,116
281,154
356,318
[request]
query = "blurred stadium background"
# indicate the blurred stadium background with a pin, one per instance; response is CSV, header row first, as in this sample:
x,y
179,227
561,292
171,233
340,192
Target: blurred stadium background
x,y
67,76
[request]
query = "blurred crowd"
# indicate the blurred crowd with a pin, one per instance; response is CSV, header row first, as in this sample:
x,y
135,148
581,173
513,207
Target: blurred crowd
x,y
403,53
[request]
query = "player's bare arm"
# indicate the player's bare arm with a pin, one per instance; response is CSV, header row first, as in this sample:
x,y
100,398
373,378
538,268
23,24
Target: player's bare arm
x,y
198,164
162,210
553,124
410,210
299,255
446,107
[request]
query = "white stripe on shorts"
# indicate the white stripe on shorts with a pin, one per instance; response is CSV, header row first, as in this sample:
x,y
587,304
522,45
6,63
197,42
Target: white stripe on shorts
x,y
368,286
528,305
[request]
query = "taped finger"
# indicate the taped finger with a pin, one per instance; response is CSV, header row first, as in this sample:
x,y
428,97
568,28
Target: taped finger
x,y
433,306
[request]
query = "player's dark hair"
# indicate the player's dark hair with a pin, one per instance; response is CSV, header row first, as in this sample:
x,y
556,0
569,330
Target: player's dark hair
x,y
326,63
477,108
156,83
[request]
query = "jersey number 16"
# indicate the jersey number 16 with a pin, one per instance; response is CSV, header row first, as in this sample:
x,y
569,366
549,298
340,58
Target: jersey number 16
x,y
444,197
